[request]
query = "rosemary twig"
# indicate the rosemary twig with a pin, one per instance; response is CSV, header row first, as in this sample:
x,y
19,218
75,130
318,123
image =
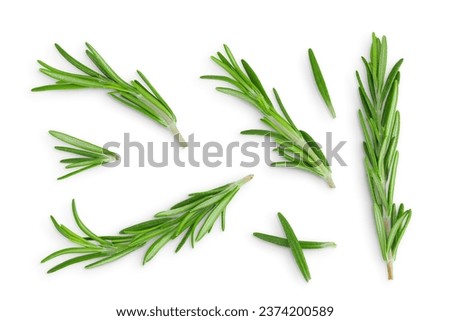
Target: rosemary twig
x,y
88,155
380,122
193,217
135,94
297,147
320,82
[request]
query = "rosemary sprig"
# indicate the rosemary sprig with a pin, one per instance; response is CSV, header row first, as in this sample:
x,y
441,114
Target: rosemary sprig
x,y
380,122
135,95
320,82
88,155
195,217
296,146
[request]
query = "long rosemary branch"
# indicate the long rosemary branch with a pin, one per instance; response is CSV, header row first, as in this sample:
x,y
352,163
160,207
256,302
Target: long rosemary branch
x,y
380,122
194,217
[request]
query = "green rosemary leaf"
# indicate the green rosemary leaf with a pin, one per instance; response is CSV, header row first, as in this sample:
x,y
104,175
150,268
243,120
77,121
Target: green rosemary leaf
x,y
75,260
114,257
224,79
78,152
255,81
93,162
236,93
370,79
70,250
108,71
262,132
84,229
74,160
68,234
392,177
79,143
77,171
306,245
390,80
76,63
283,110
222,220
311,143
296,249
379,223
251,90
396,227
382,61
158,231
214,214
400,233
79,80
156,246
144,226
320,82
184,239
57,87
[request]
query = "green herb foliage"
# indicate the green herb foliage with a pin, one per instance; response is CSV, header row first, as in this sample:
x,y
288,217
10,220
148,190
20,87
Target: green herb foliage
x,y
380,122
135,94
320,82
190,219
306,245
87,155
296,248
296,146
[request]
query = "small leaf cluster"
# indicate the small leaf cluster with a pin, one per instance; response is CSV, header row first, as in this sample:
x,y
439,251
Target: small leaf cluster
x,y
87,154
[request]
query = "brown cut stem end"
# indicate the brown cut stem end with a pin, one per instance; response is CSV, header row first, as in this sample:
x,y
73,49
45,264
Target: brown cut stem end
x,y
390,270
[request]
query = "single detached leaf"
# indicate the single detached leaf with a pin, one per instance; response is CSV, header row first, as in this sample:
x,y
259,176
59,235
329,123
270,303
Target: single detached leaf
x,y
306,245
296,249
320,82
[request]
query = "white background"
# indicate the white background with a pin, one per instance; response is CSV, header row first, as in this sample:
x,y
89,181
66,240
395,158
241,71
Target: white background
x,y
171,41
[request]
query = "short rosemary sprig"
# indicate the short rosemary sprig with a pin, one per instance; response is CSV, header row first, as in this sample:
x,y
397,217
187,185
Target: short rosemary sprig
x,y
145,100
87,155
320,82
296,146
380,122
195,217
297,246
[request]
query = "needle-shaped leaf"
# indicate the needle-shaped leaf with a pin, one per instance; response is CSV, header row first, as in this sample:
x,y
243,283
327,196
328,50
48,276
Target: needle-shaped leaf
x,y
320,82
296,249
305,245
